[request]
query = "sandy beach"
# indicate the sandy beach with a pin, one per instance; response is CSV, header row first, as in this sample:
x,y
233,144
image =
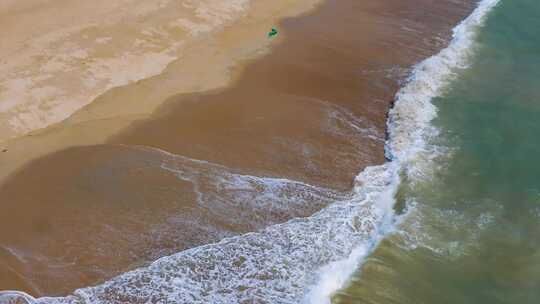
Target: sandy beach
x,y
206,60
59,64
132,134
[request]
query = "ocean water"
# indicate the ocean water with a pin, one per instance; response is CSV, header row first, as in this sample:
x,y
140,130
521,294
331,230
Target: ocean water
x,y
469,198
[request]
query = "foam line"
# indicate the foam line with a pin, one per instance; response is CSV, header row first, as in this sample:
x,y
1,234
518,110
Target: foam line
x,y
409,128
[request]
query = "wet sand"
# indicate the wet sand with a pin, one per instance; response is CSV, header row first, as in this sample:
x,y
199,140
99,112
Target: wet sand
x,y
286,139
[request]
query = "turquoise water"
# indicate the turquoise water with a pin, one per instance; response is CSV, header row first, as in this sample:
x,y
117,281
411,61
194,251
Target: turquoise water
x,y
470,231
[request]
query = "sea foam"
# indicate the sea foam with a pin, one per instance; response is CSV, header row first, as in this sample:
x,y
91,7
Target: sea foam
x,y
305,259
409,128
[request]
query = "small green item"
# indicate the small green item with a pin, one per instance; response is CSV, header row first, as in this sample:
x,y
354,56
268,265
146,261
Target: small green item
x,y
272,33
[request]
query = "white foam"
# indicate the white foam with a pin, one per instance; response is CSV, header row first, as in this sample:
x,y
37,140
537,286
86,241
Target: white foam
x,y
409,121
410,128
438,230
12,296
275,264
304,259
335,275
247,200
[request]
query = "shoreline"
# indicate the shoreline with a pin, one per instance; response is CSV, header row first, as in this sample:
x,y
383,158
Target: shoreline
x,y
344,96
408,149
413,155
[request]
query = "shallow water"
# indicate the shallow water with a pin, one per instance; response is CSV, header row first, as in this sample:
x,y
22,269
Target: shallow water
x,y
470,232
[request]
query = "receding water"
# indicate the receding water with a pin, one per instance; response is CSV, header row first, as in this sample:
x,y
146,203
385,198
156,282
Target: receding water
x,y
471,229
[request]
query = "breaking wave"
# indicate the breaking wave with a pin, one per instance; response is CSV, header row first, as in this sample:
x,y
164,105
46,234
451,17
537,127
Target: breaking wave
x,y
304,259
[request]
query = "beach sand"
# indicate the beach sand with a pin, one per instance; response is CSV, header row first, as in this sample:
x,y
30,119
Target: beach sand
x,y
206,60
58,56
176,161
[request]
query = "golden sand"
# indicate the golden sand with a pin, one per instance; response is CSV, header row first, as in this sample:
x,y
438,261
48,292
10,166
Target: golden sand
x,y
189,46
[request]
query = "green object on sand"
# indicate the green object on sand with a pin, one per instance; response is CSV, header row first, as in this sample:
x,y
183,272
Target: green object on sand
x,y
272,33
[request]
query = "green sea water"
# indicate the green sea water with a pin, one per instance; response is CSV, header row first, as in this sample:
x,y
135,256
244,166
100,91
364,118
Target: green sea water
x,y
470,232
